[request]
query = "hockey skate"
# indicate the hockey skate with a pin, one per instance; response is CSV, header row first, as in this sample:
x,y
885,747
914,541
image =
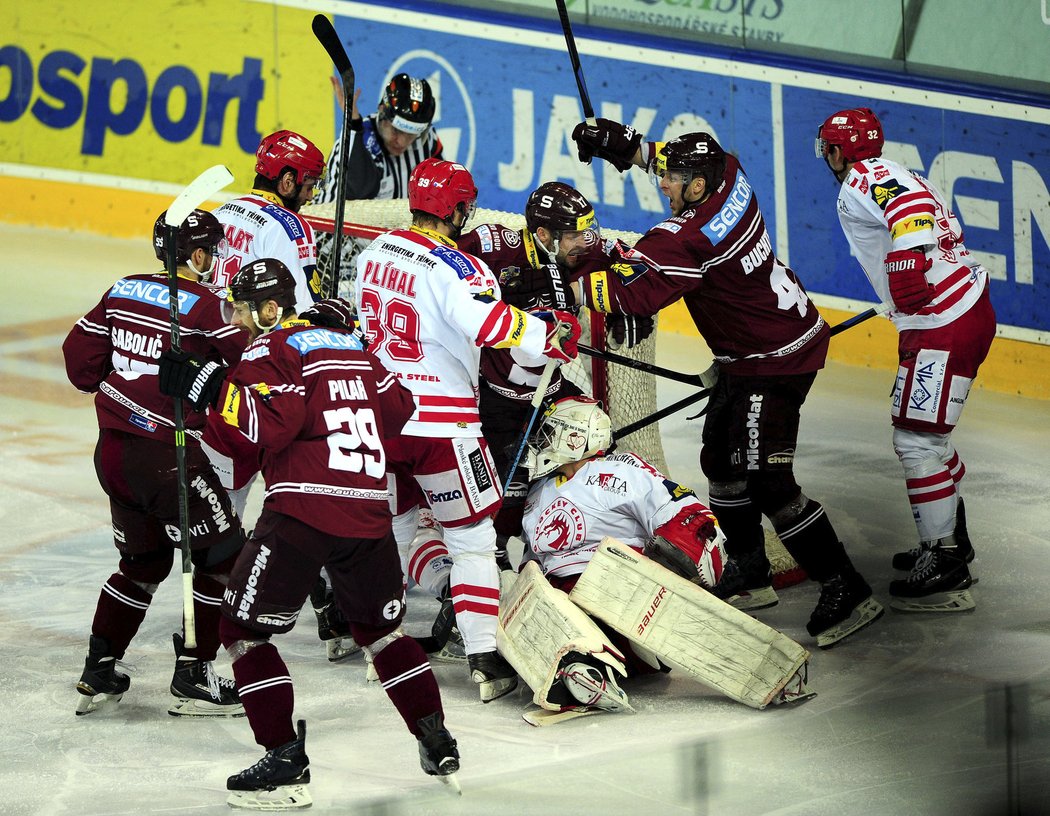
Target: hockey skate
x,y
940,582
445,641
494,675
332,628
199,691
905,561
593,688
277,781
845,606
100,684
747,583
438,754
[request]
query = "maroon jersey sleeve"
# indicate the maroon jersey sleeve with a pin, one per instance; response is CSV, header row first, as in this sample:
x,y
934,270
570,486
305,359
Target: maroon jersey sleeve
x,y
87,350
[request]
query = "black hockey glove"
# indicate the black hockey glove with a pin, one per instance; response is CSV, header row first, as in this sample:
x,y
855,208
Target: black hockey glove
x,y
629,330
542,288
191,377
608,140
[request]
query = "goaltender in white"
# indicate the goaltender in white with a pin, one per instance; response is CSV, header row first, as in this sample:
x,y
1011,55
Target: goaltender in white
x,y
637,551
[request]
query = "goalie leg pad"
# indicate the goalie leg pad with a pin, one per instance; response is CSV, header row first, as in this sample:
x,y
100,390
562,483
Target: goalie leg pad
x,y
539,626
687,627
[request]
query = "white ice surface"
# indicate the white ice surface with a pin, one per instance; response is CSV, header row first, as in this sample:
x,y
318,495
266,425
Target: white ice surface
x,y
900,724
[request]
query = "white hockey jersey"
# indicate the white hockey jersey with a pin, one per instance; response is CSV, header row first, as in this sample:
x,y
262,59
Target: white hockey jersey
x,y
883,206
621,496
259,226
427,309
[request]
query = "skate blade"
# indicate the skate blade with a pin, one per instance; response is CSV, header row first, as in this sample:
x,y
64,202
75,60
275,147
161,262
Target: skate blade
x,y
340,649
93,702
188,707
753,599
864,614
959,600
494,689
451,783
283,797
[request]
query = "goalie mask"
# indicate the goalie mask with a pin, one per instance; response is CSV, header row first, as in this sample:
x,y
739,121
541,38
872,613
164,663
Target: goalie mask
x,y
573,429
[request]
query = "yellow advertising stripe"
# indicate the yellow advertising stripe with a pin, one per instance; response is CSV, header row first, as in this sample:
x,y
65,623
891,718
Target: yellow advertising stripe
x,y
1012,367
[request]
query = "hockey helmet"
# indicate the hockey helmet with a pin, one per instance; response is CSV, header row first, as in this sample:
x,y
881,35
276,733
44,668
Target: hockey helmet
x,y
857,132
408,104
200,230
262,280
695,154
333,313
284,150
438,187
573,429
560,208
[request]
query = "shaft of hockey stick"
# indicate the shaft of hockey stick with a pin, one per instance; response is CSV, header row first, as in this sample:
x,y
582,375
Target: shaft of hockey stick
x,y
196,193
327,36
638,424
639,365
537,401
882,308
574,58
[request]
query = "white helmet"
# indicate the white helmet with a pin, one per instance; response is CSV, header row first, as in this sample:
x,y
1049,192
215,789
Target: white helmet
x,y
573,429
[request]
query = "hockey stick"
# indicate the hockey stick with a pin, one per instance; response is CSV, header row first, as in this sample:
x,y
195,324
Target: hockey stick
x,y
537,401
574,58
327,36
196,193
882,308
638,424
639,365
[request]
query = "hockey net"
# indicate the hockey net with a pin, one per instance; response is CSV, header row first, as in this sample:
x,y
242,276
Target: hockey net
x,y
628,394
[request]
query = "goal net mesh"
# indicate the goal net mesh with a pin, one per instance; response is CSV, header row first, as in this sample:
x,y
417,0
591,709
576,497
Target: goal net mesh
x,y
628,394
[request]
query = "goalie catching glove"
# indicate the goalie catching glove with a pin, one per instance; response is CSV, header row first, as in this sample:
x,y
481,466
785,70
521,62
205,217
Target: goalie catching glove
x,y
906,270
617,144
186,375
691,545
563,332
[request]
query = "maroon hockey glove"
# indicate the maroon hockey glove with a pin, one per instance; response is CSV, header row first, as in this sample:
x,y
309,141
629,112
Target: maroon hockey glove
x,y
563,332
191,377
608,140
909,289
629,330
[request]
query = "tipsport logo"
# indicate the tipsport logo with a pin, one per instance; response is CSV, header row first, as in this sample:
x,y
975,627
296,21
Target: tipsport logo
x,y
454,118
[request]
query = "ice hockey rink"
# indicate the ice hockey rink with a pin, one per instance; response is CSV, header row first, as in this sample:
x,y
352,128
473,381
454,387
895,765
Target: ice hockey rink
x,y
919,714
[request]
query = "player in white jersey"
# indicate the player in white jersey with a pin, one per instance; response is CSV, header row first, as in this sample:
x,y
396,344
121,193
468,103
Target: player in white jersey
x,y
427,309
910,245
266,224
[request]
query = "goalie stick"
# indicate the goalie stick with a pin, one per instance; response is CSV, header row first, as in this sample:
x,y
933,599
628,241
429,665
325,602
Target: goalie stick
x,y
537,401
196,193
327,36
574,58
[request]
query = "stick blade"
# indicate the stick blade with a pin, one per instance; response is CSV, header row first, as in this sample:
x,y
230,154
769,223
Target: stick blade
x,y
326,34
196,193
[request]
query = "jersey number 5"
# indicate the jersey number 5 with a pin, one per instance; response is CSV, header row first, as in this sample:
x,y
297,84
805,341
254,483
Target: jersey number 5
x,y
393,327
354,444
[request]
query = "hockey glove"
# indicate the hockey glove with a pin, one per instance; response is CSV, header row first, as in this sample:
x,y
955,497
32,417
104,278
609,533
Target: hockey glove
x,y
629,330
563,332
536,288
191,377
608,140
690,545
906,270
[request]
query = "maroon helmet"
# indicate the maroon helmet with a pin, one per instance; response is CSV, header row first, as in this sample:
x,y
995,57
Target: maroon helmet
x,y
559,208
697,154
262,280
438,187
332,313
858,132
200,230
287,149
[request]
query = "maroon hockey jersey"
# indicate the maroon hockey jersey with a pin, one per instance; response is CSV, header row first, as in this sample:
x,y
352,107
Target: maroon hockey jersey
x,y
529,279
113,350
318,408
718,257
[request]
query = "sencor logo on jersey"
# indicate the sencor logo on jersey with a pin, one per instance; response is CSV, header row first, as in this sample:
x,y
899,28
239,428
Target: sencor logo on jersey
x,y
732,211
314,339
151,292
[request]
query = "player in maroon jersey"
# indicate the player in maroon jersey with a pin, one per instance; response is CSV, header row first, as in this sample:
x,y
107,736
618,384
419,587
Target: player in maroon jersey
x,y
113,353
769,341
320,411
